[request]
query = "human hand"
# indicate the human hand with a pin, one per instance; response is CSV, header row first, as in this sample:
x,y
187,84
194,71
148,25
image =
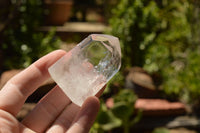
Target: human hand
x,y
53,113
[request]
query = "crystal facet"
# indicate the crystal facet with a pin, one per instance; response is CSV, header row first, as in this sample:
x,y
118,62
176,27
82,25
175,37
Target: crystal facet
x,y
84,70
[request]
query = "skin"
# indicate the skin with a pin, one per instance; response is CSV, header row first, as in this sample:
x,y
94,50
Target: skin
x,y
53,113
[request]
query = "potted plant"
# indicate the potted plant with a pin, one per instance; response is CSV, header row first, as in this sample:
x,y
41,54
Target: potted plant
x,y
57,11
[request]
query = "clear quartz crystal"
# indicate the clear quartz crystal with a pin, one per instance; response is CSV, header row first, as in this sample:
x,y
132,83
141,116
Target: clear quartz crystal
x,y
84,70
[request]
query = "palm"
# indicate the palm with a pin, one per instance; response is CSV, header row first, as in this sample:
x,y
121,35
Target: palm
x,y
53,113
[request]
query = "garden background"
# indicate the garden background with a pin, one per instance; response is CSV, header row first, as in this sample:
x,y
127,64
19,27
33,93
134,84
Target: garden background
x,y
160,43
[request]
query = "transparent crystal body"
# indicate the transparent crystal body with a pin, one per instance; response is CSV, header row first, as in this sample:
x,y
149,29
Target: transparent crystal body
x,y
84,70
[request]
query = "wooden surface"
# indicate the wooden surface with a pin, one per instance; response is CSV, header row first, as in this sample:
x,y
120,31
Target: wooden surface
x,y
86,27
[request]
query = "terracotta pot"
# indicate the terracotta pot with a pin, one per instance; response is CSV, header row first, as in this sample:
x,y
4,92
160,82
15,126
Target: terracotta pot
x,y
58,11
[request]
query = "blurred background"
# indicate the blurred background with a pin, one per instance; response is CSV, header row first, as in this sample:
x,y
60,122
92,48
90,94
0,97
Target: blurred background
x,y
158,87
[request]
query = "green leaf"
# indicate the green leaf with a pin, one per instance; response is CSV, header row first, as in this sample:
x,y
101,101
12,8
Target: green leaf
x,y
107,121
123,110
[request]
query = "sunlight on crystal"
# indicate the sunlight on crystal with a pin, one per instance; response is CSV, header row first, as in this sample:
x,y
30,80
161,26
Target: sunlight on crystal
x,y
84,70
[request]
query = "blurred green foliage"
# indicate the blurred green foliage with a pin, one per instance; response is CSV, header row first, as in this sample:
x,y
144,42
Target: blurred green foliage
x,y
175,53
21,43
135,23
163,37
119,116
168,53
161,130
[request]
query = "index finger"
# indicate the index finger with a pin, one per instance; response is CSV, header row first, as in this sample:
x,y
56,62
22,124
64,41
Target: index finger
x,y
16,90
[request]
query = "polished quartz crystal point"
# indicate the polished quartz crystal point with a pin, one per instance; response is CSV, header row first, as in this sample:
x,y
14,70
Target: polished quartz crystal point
x,y
84,70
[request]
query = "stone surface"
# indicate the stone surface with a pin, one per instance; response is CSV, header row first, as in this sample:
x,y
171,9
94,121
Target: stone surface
x,y
182,130
175,123
84,70
141,82
160,107
187,121
155,107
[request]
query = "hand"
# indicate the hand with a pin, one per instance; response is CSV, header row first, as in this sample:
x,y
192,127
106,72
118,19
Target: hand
x,y
53,113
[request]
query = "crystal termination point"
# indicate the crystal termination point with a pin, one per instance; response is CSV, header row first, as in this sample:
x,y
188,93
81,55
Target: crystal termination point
x,y
84,70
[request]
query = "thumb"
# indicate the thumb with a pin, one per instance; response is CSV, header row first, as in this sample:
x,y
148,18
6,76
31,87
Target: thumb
x,y
86,117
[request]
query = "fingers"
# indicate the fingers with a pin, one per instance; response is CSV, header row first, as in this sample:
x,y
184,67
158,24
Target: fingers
x,y
26,82
64,121
86,117
47,110
75,119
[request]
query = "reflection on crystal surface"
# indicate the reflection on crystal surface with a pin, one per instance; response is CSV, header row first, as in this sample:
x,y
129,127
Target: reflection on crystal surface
x,y
88,67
